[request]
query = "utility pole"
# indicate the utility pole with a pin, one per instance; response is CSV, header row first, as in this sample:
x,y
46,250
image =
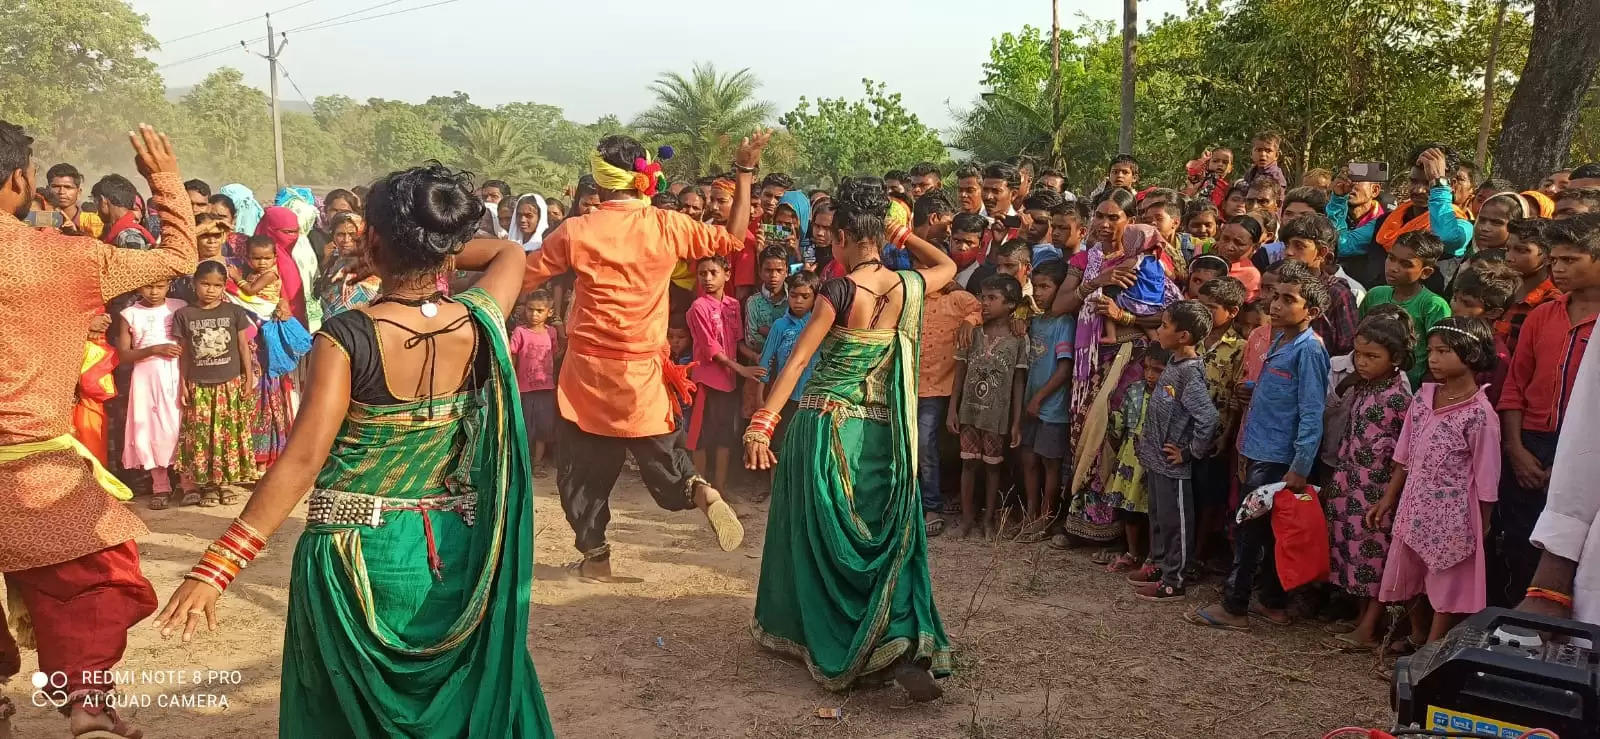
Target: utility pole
x,y
1056,159
275,47
1130,46
1489,73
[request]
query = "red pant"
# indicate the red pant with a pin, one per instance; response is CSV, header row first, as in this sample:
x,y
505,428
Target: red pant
x,y
82,609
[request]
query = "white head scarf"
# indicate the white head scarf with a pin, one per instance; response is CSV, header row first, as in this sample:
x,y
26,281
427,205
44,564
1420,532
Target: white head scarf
x,y
534,241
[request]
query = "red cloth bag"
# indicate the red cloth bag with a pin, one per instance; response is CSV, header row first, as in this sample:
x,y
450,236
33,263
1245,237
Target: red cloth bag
x,y
1300,531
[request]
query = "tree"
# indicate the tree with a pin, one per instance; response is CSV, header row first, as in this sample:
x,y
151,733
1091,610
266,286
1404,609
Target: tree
x,y
702,116
869,136
227,129
1536,133
74,75
404,137
495,146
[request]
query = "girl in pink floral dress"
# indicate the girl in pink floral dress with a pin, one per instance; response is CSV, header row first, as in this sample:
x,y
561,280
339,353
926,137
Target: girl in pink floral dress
x,y
1377,397
1446,476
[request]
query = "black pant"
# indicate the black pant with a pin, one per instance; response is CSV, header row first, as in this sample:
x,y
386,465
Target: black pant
x,y
1252,552
587,466
1512,558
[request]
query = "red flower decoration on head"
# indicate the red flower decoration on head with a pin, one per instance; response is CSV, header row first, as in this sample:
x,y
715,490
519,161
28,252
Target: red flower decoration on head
x,y
650,172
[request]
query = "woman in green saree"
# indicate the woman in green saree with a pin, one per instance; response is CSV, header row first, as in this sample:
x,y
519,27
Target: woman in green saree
x,y
410,588
844,577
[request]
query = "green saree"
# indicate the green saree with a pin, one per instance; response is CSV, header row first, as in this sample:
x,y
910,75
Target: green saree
x,y
381,644
844,574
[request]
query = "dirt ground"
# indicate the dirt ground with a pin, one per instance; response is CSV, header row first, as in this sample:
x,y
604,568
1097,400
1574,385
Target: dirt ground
x,y
1047,645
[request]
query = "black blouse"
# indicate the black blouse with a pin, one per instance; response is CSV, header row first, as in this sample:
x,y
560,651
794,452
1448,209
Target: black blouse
x,y
356,333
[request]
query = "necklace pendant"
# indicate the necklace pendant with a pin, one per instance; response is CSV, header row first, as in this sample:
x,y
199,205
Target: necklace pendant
x,y
429,309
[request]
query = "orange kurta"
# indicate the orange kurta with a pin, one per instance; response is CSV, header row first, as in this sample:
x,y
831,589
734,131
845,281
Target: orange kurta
x,y
623,255
51,285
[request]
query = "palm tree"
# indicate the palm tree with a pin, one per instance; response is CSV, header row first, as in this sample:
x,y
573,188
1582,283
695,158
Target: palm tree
x,y
702,115
494,146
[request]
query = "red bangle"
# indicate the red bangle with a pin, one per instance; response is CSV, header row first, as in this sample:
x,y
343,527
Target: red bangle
x,y
1561,599
898,235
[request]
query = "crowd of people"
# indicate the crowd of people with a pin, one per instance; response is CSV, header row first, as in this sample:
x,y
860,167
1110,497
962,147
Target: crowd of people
x,y
1329,396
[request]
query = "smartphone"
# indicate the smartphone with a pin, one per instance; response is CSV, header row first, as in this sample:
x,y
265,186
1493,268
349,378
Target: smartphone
x,y
1013,221
776,235
1369,171
46,219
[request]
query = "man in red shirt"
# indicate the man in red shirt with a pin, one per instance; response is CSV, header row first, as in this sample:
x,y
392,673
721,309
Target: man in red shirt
x,y
1544,369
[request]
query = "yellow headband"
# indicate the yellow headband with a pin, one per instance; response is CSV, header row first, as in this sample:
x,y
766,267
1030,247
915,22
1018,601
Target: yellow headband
x,y
611,177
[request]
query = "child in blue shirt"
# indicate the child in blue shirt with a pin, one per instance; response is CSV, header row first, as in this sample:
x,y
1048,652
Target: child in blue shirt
x,y
1044,421
1282,431
802,290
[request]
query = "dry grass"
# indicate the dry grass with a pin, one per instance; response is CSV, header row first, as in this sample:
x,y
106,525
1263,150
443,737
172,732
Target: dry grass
x,y
1047,646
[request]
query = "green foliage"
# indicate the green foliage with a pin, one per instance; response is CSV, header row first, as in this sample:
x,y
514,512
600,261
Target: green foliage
x,y
1352,79
1360,79
62,64
869,136
226,129
703,116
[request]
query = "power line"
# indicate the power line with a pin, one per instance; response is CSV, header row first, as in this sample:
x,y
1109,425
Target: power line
x,y
296,85
231,25
212,53
325,23
346,15
376,17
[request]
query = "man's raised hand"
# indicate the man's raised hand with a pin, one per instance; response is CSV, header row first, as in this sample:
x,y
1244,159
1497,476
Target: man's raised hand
x,y
152,151
749,154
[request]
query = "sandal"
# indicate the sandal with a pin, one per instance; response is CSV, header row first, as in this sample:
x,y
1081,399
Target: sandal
x,y
1199,617
1259,611
1104,556
228,496
210,498
190,497
1344,643
1123,563
159,501
932,526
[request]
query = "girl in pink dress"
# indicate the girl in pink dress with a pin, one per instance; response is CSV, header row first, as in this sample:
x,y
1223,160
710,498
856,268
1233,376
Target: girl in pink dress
x,y
1377,397
146,342
1445,480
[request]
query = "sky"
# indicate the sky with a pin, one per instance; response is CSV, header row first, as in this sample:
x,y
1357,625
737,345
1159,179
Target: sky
x,y
501,51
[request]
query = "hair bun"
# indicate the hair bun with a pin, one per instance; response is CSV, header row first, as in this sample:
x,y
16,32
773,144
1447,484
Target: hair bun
x,y
422,215
863,195
442,205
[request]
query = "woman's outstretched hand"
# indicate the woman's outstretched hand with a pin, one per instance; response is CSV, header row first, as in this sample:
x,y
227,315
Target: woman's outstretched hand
x,y
758,456
192,605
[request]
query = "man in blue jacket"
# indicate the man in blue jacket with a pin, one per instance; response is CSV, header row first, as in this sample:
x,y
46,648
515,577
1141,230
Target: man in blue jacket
x,y
1432,206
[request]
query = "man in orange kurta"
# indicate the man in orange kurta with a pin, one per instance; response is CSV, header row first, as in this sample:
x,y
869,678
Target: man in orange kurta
x,y
612,392
66,545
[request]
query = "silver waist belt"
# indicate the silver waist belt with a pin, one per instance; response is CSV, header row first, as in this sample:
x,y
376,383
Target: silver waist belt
x,y
835,406
340,507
